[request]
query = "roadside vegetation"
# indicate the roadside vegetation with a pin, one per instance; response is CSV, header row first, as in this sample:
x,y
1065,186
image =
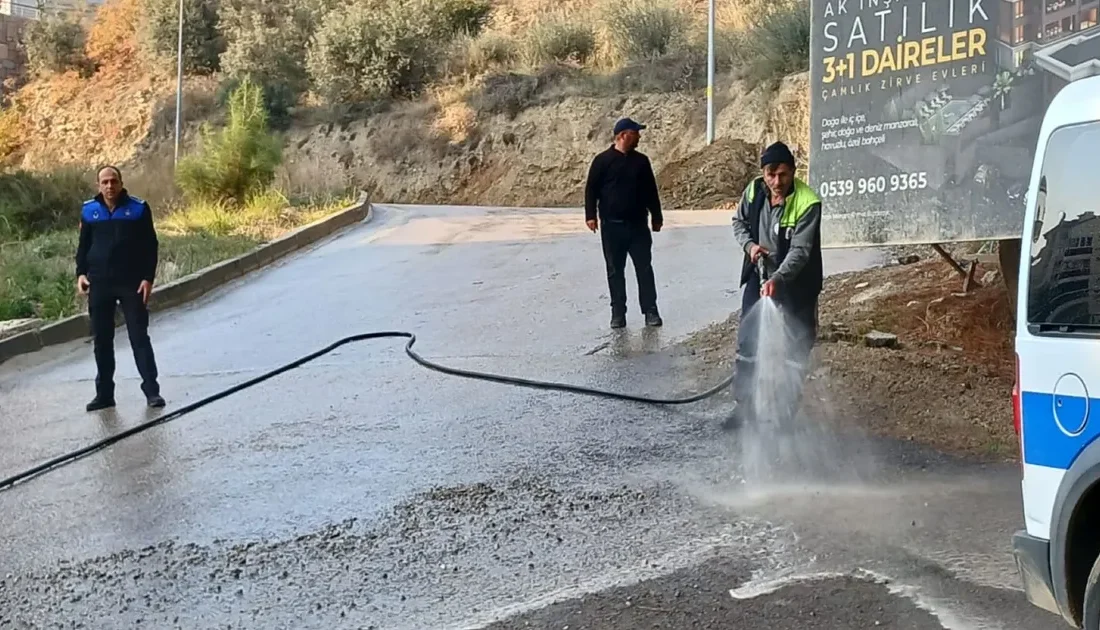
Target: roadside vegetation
x,y
335,60
229,204
273,63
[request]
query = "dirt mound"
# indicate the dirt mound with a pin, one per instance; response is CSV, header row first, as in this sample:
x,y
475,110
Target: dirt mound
x,y
537,153
923,304
711,178
947,383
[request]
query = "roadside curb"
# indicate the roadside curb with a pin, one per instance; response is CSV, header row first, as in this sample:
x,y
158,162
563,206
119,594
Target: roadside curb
x,y
195,285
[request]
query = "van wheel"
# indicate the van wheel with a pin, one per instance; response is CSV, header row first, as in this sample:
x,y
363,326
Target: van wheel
x,y
1091,608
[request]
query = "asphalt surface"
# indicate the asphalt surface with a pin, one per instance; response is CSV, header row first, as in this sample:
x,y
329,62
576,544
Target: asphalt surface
x,y
362,491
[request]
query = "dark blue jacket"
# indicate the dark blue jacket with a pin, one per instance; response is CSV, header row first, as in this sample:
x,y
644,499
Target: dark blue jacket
x,y
118,247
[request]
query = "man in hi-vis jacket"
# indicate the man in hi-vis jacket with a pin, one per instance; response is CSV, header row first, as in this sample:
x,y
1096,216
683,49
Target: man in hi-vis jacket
x,y
778,226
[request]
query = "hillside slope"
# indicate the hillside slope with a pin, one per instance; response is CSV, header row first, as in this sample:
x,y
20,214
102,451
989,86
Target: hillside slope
x,y
494,126
541,156
410,154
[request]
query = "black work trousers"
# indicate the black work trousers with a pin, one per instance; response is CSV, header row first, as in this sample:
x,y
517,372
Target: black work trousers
x,y
763,381
102,300
621,239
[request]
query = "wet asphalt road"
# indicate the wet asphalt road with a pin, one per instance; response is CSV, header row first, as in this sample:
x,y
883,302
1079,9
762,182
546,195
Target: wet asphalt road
x,y
362,491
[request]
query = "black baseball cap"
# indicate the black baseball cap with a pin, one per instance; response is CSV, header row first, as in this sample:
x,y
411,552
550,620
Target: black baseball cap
x,y
626,124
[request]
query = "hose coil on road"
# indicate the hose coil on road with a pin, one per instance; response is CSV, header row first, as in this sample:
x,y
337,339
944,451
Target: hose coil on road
x,y
81,453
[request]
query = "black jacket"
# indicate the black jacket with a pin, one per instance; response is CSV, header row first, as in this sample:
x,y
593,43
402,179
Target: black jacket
x,y
118,247
621,187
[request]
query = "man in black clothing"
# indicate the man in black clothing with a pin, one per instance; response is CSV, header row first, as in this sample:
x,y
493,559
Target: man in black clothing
x,y
116,263
621,189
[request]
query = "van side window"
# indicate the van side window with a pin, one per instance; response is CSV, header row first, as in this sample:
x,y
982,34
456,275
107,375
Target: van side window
x,y
1064,279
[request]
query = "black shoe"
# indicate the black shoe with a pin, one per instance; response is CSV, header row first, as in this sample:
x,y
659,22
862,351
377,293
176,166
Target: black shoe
x,y
733,422
100,402
618,321
653,319
156,402
736,418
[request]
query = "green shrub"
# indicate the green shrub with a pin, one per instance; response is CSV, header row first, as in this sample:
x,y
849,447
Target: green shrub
x,y
559,39
370,50
645,29
776,45
279,98
203,44
265,42
55,44
238,161
467,17
33,203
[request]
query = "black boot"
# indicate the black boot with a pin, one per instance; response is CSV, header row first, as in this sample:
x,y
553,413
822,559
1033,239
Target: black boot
x,y
100,402
737,417
618,320
156,401
652,318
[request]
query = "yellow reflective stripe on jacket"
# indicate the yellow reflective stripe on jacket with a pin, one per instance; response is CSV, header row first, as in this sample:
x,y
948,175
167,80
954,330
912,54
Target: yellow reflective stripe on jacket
x,y
797,205
750,190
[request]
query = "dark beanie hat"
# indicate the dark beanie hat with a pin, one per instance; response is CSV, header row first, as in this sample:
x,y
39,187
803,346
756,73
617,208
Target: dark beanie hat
x,y
777,153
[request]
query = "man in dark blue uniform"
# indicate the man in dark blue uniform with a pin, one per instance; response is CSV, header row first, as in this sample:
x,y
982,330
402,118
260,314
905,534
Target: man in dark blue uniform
x,y
116,263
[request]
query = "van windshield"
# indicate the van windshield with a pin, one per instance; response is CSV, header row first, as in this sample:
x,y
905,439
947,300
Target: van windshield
x,y
1064,279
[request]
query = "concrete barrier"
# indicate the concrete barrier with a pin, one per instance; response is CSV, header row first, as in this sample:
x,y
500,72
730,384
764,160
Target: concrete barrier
x,y
195,285
67,329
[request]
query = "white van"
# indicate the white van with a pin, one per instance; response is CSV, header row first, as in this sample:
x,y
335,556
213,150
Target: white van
x,y
1058,362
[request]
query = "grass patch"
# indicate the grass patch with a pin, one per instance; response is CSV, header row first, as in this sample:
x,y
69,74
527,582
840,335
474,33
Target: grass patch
x,y
263,217
774,45
33,203
37,276
557,39
644,29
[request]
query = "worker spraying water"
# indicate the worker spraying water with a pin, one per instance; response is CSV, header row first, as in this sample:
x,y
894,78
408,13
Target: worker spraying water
x,y
778,225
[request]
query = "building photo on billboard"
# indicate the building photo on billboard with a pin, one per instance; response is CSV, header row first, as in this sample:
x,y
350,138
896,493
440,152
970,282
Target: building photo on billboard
x,y
925,116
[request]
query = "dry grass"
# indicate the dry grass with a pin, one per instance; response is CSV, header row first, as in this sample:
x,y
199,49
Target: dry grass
x,y
456,119
471,57
263,217
310,182
12,135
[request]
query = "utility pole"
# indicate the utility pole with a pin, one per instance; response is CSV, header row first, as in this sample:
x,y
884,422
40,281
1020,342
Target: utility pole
x,y
710,73
179,85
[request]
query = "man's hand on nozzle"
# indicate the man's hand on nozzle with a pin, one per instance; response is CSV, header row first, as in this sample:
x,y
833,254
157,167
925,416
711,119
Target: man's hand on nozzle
x,y
591,223
755,252
768,290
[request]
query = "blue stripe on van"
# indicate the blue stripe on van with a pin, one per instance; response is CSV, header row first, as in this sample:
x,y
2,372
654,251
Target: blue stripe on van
x,y
1044,443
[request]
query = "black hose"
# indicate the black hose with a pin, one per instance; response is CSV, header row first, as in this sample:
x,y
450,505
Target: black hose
x,y
81,453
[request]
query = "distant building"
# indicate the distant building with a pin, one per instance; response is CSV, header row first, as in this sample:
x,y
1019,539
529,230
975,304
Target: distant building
x,y
1065,275
1071,59
1026,28
28,9
33,9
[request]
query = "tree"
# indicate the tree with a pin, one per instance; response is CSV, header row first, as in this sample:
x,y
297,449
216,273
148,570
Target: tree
x,y
237,161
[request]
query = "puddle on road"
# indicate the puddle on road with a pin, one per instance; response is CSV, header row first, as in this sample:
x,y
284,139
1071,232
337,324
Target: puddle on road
x,y
945,612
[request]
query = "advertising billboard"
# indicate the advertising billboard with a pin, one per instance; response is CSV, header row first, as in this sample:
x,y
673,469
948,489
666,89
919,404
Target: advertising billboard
x,y
924,115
